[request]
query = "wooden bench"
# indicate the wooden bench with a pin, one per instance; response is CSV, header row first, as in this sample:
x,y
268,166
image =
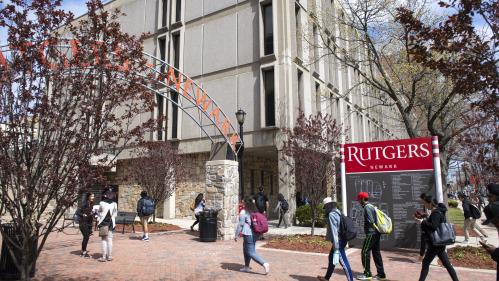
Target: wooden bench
x,y
126,218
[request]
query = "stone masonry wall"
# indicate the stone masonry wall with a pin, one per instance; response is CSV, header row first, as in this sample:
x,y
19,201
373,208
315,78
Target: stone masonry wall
x,y
222,193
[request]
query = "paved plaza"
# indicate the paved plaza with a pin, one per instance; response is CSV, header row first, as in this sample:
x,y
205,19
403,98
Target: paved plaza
x,y
180,256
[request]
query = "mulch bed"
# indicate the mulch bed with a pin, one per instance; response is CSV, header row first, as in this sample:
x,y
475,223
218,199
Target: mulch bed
x,y
302,243
471,257
153,227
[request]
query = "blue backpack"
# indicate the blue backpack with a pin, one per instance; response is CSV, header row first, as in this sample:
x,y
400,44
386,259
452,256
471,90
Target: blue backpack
x,y
147,207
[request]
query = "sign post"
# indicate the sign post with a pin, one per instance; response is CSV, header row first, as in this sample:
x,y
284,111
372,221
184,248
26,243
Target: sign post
x,y
394,174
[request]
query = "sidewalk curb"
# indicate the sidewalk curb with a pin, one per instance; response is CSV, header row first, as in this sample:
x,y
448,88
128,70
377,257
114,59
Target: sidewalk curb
x,y
491,271
260,246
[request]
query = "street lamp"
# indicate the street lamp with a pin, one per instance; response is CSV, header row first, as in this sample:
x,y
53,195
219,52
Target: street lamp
x,y
240,115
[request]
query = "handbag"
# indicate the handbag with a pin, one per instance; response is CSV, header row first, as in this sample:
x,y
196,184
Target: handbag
x,y
103,231
444,235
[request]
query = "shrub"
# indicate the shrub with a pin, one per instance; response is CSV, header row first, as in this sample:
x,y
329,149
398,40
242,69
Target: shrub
x,y
304,216
453,203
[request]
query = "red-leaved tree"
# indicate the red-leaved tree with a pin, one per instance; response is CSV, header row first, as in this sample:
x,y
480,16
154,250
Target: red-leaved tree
x,y
63,102
157,169
310,150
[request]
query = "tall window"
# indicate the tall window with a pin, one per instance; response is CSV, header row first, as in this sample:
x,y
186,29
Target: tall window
x,y
178,10
159,98
318,96
298,31
316,48
268,30
174,96
252,181
300,89
164,12
268,83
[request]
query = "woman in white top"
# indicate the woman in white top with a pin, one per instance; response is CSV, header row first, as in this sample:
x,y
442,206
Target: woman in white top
x,y
107,214
198,207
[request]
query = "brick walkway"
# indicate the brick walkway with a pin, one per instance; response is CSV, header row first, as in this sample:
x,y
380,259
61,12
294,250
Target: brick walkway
x,y
180,256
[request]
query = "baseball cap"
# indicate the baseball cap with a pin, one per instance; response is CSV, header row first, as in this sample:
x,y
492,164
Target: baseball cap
x,y
327,200
493,188
491,211
362,195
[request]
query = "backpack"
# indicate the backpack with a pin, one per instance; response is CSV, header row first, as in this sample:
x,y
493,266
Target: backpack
x,y
260,202
259,223
475,212
284,205
383,222
77,216
147,207
347,230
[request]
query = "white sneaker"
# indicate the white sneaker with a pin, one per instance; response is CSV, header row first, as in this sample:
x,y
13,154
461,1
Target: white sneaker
x,y
267,267
245,269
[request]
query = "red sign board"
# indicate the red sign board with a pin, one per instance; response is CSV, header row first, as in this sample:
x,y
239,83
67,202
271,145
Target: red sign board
x,y
386,156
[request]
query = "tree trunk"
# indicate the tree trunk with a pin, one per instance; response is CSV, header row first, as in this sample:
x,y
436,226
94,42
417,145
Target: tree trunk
x,y
29,256
314,218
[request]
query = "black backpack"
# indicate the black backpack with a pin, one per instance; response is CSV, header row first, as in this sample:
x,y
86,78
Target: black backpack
x,y
348,230
475,212
147,206
260,202
284,205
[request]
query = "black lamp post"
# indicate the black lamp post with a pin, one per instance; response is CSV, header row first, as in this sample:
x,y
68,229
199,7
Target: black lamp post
x,y
240,115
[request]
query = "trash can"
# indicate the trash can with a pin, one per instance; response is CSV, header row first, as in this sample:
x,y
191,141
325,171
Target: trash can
x,y
208,225
8,270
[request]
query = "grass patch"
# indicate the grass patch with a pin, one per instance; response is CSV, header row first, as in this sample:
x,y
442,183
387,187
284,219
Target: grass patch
x,y
302,243
456,216
471,257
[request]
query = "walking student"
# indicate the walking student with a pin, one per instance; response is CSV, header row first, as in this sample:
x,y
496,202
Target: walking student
x,y
145,208
282,208
418,216
198,207
106,222
337,253
471,214
262,201
86,219
244,229
372,243
492,213
430,225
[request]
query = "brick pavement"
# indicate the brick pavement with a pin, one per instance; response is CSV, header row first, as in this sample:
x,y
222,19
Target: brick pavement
x,y
180,256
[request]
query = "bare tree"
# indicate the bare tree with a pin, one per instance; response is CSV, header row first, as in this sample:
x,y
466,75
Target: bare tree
x,y
365,36
310,149
63,102
157,169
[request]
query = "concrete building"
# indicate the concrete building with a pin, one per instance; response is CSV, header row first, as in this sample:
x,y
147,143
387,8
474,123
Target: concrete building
x,y
250,55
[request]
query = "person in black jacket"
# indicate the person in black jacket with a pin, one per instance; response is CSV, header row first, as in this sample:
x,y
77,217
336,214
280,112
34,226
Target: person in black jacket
x,y
469,220
86,215
430,225
492,213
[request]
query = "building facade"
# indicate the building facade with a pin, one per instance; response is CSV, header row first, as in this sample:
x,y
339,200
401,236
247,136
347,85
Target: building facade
x,y
253,55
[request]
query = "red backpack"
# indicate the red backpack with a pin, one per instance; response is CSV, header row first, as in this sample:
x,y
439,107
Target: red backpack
x,y
259,223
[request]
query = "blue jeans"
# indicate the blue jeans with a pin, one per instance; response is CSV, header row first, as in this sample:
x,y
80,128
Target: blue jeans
x,y
343,261
249,250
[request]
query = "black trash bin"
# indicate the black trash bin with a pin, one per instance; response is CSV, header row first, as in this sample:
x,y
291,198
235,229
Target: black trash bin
x,y
208,225
8,270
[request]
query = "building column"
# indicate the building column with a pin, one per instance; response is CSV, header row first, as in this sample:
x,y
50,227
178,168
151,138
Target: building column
x,y
169,207
287,184
222,193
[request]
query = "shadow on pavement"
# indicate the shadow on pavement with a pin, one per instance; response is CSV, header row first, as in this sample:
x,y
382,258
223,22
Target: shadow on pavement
x,y
303,278
57,277
237,266
400,259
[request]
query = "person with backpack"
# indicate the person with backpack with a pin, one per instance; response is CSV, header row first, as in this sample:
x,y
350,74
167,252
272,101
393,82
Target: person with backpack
x,y
372,242
471,214
262,202
108,210
282,208
85,216
338,235
197,207
429,226
418,216
491,212
250,226
145,208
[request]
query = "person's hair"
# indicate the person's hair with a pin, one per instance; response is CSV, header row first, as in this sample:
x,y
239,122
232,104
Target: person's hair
x,y
434,202
428,199
422,196
461,195
198,199
143,193
87,196
330,206
249,204
260,188
280,197
108,194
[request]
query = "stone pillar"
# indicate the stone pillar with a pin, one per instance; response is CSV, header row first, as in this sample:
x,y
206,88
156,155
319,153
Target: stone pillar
x,y
287,184
222,193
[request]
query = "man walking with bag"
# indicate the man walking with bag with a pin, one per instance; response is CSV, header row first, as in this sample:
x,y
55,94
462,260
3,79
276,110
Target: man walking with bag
x,y
471,214
372,241
145,208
